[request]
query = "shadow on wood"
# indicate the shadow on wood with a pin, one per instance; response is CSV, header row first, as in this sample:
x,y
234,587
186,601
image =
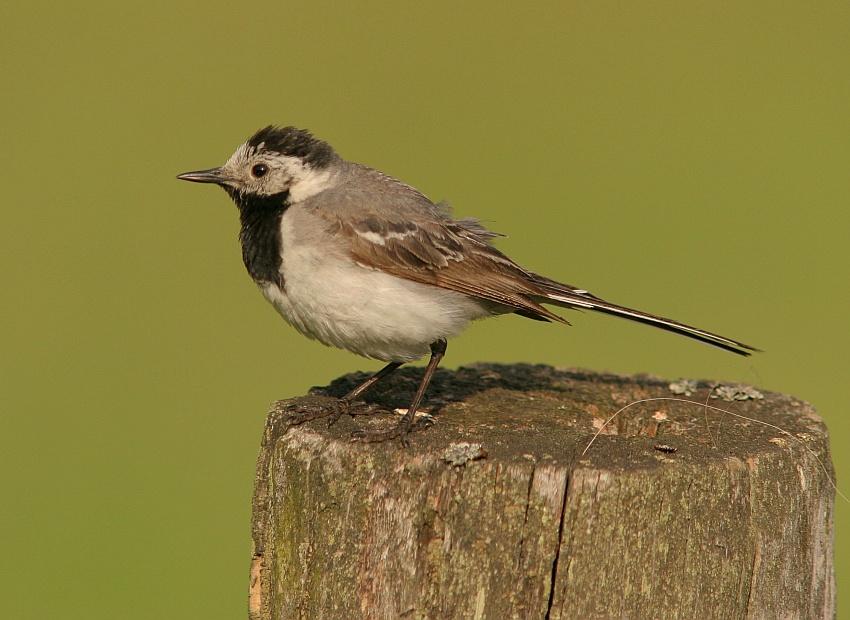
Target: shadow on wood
x,y
675,511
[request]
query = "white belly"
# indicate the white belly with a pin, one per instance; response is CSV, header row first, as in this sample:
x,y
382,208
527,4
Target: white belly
x,y
365,311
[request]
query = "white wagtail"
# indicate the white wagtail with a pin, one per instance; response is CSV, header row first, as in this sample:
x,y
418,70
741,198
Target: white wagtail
x,y
358,260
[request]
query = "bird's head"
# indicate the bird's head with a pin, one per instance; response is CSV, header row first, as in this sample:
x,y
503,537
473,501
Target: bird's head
x,y
276,161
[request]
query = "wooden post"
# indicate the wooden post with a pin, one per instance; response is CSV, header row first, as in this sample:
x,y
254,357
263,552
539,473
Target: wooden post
x,y
675,511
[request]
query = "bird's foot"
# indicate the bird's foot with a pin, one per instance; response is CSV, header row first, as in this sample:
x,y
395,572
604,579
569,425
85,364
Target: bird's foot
x,y
400,430
300,413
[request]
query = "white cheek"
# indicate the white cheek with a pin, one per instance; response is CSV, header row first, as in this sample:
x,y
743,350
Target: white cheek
x,y
307,182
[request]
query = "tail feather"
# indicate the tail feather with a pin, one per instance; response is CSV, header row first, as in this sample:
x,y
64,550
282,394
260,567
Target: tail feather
x,y
579,299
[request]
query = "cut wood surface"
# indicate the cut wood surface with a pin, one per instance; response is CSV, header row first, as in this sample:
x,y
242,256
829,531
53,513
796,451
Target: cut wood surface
x,y
496,511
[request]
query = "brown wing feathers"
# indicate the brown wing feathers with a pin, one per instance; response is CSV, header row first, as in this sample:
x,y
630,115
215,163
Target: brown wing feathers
x,y
457,256
449,256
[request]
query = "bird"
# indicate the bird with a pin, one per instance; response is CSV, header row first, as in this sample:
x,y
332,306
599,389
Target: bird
x,y
359,260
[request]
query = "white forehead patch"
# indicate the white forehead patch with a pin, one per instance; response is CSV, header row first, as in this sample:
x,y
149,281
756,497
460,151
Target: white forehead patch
x,y
242,154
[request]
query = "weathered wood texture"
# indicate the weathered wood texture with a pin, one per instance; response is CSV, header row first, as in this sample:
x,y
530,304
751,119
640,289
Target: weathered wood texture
x,y
494,513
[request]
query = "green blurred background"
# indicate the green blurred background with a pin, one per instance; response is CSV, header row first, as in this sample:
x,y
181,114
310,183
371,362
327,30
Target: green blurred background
x,y
684,159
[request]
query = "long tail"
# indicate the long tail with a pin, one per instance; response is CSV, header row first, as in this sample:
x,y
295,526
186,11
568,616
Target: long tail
x,y
558,294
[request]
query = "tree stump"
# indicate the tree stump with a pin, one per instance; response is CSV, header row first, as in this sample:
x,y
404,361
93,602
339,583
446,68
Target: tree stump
x,y
497,511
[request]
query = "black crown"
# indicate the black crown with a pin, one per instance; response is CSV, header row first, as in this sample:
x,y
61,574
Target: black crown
x,y
294,142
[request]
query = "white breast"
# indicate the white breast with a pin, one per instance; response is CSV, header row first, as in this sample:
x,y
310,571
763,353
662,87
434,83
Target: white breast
x,y
328,297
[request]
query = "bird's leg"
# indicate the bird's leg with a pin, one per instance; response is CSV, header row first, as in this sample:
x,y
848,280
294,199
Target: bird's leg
x,y
383,372
406,424
346,404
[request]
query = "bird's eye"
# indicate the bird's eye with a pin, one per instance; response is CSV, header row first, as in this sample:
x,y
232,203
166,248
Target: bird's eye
x,y
259,170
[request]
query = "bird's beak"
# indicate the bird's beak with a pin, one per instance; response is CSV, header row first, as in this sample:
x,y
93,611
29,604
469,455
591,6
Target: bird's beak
x,y
213,175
